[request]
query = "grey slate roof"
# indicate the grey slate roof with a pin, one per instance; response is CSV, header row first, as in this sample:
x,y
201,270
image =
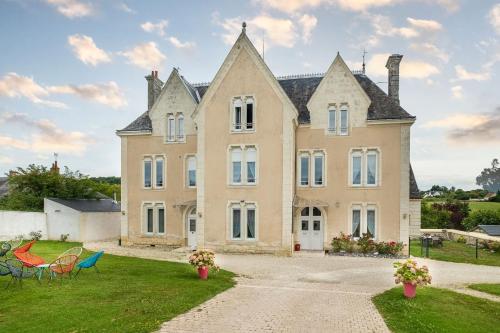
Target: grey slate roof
x,y
299,90
491,230
90,205
4,186
414,191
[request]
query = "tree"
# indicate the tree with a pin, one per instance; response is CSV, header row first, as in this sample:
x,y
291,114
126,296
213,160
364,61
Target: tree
x,y
489,178
28,187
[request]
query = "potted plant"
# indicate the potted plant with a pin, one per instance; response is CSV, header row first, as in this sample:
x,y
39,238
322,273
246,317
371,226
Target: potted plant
x,y
203,260
411,276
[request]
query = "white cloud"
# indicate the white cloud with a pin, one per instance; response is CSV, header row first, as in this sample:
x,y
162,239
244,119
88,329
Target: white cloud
x,y
458,120
125,8
411,69
6,160
15,85
383,27
158,28
85,49
72,8
308,23
292,6
428,25
146,56
464,75
450,5
432,50
180,45
46,136
457,92
494,17
108,94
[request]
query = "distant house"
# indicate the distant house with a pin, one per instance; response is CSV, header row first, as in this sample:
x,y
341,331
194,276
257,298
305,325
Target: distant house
x,y
82,219
490,230
4,186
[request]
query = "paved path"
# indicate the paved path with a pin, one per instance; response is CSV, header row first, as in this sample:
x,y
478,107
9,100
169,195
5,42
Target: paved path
x,y
301,294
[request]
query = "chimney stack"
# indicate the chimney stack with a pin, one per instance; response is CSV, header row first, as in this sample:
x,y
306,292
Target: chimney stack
x,y
392,66
154,88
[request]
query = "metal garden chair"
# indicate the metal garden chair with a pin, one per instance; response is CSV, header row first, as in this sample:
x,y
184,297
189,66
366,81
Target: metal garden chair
x,y
89,262
5,248
77,251
63,265
4,269
18,271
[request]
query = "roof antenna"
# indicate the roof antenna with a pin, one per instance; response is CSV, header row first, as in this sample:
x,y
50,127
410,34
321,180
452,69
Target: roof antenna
x,y
364,66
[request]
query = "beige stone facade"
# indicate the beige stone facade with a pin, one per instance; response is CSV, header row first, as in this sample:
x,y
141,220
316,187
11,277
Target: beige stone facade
x,y
255,163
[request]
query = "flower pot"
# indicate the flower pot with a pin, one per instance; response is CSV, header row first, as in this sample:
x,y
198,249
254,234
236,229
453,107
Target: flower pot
x,y
409,290
203,272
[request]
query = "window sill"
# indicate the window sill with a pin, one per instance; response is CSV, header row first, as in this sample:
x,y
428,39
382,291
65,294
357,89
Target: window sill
x,y
241,185
242,131
365,187
174,142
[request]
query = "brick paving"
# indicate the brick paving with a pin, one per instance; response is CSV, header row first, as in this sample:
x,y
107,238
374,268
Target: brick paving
x,y
302,293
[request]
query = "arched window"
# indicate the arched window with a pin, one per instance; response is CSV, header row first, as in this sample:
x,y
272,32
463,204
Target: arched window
x,y
180,127
171,128
332,119
249,113
237,114
344,121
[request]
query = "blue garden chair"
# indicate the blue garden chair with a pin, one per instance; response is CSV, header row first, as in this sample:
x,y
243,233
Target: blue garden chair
x,y
89,262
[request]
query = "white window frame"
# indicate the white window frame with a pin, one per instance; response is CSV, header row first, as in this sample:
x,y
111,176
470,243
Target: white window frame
x,y
170,130
313,164
150,160
188,158
243,207
372,208
375,153
332,110
364,208
356,153
156,160
245,157
341,129
249,100
242,101
155,206
237,102
180,134
243,165
299,168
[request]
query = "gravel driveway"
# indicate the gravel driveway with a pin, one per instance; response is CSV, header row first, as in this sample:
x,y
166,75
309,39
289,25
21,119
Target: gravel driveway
x,y
306,293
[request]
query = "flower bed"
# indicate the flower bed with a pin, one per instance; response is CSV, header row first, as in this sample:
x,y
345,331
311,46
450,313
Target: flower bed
x,y
365,246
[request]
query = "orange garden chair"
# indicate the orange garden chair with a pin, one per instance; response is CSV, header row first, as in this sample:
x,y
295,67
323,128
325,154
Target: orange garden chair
x,y
29,259
63,265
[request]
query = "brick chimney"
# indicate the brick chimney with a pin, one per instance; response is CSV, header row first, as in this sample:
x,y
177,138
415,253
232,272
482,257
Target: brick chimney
x,y
55,168
392,66
154,88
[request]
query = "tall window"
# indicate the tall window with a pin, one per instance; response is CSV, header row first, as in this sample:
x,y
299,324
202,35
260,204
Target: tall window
x,y
237,114
364,220
249,113
161,220
365,167
191,171
318,168
243,221
236,223
344,122
159,171
243,167
250,157
236,165
180,127
356,222
304,169
332,123
148,173
171,128
154,218
356,168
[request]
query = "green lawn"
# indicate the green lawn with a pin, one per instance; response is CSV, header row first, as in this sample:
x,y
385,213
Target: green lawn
x,y
457,252
437,310
489,288
130,295
474,205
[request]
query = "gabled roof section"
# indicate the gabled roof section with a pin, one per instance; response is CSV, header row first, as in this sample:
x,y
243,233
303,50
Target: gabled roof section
x,y
414,191
141,124
90,205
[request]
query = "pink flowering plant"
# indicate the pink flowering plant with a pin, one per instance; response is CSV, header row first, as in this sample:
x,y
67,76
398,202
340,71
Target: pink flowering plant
x,y
409,272
203,258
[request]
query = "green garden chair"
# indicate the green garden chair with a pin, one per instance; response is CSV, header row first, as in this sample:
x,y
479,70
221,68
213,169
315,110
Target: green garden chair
x,y
18,271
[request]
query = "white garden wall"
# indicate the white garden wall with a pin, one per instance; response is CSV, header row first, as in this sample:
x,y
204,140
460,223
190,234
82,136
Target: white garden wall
x,y
13,224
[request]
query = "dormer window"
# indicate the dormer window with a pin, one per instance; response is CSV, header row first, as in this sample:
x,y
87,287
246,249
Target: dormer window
x,y
175,128
332,119
243,114
249,117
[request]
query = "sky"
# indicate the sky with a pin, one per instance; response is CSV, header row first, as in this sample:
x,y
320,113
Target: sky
x,y
72,71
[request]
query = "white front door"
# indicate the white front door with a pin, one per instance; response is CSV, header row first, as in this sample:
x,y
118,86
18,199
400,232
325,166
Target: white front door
x,y
311,229
191,230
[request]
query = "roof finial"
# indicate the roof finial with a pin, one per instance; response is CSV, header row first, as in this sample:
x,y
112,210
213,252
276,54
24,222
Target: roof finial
x,y
244,27
364,66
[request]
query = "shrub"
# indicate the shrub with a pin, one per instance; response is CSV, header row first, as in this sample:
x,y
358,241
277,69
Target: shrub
x,y
391,247
458,212
203,258
461,239
478,217
433,218
491,245
366,244
64,237
343,243
36,235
